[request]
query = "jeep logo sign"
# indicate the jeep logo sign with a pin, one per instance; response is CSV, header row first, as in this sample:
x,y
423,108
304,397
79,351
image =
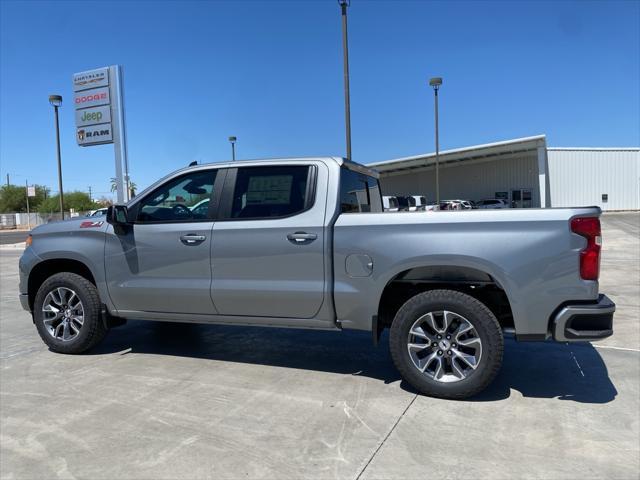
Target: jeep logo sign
x,y
93,116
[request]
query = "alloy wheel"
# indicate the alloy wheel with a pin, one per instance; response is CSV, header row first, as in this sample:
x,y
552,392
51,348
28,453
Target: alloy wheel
x,y
444,346
63,314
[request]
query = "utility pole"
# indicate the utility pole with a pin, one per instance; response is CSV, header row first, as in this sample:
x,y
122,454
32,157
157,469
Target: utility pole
x,y
345,53
90,198
7,179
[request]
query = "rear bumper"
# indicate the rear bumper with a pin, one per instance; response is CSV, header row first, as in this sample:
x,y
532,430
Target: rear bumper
x,y
584,322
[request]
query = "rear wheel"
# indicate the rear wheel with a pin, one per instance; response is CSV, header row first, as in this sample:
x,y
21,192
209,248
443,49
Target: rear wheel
x,y
66,312
446,344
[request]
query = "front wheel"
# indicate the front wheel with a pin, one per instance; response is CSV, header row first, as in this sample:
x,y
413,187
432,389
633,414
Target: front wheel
x,y
66,312
446,344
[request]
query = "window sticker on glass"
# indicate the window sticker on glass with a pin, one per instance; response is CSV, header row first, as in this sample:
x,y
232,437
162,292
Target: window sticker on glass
x,y
273,189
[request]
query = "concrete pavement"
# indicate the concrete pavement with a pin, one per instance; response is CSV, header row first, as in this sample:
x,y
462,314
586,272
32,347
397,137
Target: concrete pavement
x,y
193,401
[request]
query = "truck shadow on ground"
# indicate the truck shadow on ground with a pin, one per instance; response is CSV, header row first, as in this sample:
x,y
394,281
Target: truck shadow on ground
x,y
573,372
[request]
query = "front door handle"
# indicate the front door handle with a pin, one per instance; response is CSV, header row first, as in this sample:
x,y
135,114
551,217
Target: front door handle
x,y
192,239
300,238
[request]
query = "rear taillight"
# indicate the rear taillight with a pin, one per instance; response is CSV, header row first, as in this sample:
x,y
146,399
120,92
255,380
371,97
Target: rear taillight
x,y
589,228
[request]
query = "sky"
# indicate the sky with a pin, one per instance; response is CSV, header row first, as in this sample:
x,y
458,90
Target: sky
x,y
270,73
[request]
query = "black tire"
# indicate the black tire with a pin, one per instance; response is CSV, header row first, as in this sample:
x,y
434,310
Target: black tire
x,y
92,330
485,324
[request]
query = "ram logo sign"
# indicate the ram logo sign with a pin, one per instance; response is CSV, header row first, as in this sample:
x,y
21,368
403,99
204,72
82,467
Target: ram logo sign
x,y
94,135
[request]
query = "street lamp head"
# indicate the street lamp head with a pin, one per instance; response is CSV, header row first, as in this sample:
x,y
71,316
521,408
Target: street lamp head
x,y
435,82
55,100
344,3
232,139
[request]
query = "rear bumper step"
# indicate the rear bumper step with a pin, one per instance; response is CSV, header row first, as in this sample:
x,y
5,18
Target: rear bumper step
x,y
584,322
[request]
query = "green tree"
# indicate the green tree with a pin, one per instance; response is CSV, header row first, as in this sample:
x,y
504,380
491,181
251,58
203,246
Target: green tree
x,y
79,201
13,198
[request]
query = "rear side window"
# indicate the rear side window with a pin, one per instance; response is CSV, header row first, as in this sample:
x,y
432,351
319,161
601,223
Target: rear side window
x,y
270,192
359,193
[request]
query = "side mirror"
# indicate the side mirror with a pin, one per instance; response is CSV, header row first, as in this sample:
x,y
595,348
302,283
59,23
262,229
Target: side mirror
x,y
118,216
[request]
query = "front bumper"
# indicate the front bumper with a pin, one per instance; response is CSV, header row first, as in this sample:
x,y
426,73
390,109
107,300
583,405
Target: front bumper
x,y
584,322
24,301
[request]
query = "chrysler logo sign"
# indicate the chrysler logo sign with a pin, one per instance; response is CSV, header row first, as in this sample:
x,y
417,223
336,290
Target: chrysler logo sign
x,y
91,79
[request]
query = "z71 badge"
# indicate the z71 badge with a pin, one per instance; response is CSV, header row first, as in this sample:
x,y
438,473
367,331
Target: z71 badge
x,y
91,224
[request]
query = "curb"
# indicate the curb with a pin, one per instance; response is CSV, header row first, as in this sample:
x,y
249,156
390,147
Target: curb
x,y
13,246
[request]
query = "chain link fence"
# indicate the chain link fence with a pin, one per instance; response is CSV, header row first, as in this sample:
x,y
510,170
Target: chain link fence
x,y
22,221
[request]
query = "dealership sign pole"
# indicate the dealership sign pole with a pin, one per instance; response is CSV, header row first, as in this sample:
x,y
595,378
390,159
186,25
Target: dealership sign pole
x,y
99,112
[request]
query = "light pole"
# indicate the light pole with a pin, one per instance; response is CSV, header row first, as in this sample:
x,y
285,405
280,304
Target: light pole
x,y
436,82
345,54
233,148
56,101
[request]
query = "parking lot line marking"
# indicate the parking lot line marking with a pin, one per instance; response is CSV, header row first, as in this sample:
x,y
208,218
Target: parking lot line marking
x,y
618,348
386,436
576,360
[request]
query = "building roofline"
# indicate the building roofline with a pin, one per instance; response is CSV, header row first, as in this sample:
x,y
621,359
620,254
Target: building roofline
x,y
484,150
596,149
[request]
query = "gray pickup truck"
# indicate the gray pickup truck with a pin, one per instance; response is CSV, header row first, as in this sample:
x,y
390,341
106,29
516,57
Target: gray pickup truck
x,y
305,243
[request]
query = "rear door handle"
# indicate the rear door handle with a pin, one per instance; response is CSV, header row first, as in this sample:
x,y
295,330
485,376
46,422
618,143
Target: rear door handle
x,y
301,237
192,239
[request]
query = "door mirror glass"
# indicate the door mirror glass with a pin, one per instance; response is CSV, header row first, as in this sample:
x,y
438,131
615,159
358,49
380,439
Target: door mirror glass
x,y
117,215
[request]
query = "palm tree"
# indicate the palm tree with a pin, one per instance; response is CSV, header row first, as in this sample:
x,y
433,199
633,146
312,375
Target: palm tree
x,y
132,186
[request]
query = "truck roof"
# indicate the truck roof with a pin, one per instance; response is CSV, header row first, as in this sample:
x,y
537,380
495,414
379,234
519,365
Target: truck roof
x,y
358,167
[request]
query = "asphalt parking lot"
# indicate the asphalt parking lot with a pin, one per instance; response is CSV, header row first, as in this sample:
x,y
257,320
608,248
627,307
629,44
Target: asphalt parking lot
x,y
191,401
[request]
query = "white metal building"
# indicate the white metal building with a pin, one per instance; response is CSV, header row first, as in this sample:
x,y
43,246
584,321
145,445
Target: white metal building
x,y
524,171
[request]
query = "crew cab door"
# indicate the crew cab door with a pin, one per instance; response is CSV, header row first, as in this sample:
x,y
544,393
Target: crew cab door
x,y
162,262
268,244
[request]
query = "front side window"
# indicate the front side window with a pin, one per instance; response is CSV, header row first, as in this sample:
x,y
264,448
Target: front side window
x,y
359,193
270,192
185,198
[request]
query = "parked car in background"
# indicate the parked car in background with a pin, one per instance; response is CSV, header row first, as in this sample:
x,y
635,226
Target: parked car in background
x,y
432,207
410,203
421,202
201,208
98,212
455,205
390,203
492,203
